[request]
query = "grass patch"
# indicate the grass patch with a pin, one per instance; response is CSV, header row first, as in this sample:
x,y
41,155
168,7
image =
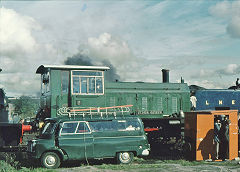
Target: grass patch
x,y
6,167
223,163
183,162
140,163
9,162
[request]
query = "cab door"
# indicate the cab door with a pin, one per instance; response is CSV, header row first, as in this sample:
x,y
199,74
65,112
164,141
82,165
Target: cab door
x,y
62,98
76,140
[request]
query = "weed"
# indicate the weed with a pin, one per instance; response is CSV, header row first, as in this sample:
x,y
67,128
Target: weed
x,y
5,167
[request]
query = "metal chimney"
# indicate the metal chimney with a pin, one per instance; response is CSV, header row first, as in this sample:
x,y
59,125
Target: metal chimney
x,y
165,75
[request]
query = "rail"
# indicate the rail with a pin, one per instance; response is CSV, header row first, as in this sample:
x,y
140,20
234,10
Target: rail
x,y
94,111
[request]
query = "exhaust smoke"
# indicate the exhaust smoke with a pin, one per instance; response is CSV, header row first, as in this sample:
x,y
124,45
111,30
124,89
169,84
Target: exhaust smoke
x,y
84,60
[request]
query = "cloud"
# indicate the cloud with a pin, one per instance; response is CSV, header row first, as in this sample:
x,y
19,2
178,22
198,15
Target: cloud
x,y
230,11
203,74
231,69
15,31
23,49
109,49
218,78
221,9
177,39
20,83
206,84
21,52
234,27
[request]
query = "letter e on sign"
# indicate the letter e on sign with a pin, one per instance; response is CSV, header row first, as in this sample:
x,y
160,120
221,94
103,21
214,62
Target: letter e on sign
x,y
233,102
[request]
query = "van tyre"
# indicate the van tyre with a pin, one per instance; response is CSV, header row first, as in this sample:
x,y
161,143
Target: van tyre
x,y
124,157
50,160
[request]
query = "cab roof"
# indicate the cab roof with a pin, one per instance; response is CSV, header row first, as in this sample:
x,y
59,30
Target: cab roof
x,y
41,69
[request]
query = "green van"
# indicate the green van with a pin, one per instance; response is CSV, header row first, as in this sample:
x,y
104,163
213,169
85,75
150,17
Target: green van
x,y
74,138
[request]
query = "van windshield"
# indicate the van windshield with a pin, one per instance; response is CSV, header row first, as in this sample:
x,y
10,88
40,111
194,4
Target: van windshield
x,y
49,128
115,125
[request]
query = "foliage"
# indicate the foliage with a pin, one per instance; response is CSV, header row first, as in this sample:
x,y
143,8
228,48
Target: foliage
x,y
10,159
14,162
25,106
5,167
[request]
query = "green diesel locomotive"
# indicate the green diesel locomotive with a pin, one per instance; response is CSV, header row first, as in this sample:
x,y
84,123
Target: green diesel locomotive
x,y
161,106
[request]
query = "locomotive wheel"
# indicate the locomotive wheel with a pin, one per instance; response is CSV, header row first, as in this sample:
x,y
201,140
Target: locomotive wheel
x,y
50,160
124,157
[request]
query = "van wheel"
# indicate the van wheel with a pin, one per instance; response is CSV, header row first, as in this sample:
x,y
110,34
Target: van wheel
x,y
50,160
124,157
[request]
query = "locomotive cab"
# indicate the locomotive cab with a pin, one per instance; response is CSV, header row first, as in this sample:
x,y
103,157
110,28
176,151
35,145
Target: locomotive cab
x,y
67,85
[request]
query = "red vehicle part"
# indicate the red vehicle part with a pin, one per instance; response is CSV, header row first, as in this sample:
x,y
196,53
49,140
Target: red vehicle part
x,y
150,129
25,128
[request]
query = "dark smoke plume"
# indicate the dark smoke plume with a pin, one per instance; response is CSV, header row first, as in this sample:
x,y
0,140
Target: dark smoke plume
x,y
83,60
79,59
111,75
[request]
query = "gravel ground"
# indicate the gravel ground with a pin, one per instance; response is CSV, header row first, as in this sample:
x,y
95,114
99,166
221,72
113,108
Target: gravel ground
x,y
233,166
167,168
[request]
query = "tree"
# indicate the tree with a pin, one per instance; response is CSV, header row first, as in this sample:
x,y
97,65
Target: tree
x,y
25,106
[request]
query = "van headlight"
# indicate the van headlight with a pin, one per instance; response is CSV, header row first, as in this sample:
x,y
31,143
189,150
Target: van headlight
x,y
145,152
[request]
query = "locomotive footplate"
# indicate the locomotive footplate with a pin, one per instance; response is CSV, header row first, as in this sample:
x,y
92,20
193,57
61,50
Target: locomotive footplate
x,y
165,127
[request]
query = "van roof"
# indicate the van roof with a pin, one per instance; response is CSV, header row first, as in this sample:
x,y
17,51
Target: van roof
x,y
65,118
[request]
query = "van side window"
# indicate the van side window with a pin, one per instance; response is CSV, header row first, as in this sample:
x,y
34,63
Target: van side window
x,y
133,125
102,125
69,127
115,125
128,125
82,128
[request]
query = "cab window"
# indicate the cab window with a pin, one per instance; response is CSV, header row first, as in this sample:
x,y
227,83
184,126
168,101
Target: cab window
x,y
45,87
87,82
65,81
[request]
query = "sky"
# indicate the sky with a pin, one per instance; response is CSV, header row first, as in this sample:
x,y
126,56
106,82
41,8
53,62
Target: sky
x,y
198,40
